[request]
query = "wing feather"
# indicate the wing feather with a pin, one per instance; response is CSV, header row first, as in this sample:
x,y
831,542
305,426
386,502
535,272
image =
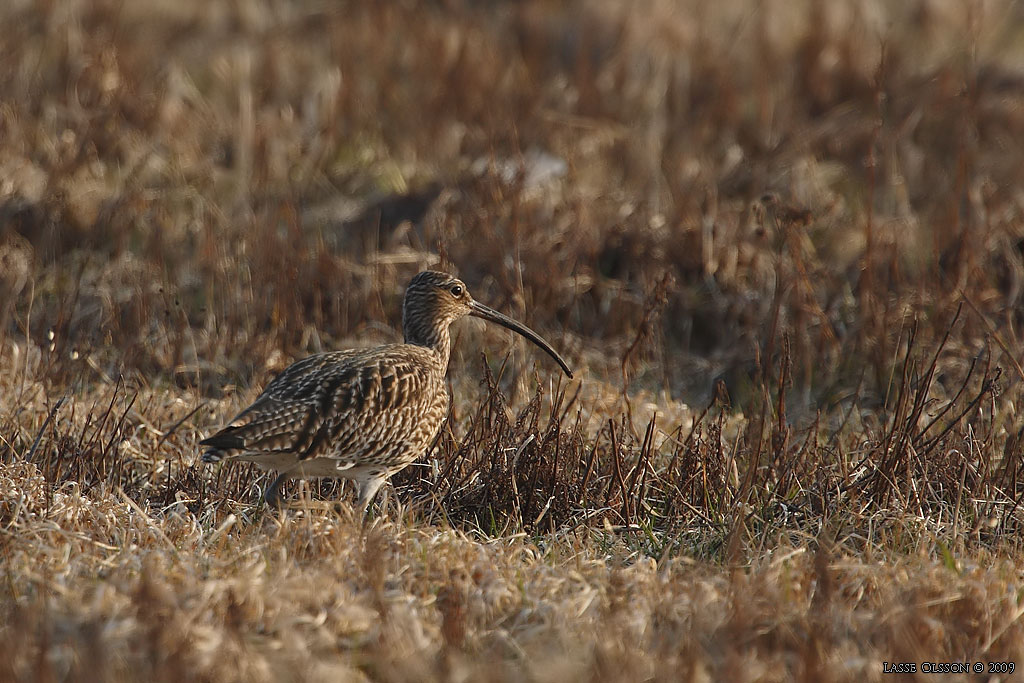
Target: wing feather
x,y
347,404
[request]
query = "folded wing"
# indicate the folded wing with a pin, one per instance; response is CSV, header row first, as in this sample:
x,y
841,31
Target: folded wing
x,y
351,405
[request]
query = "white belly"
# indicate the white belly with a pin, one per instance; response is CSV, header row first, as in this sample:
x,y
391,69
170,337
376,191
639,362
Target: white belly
x,y
307,469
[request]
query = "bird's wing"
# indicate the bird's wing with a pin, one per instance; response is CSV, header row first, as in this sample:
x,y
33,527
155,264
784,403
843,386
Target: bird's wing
x,y
325,403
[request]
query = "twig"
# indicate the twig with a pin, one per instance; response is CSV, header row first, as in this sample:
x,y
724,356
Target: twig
x,y
46,423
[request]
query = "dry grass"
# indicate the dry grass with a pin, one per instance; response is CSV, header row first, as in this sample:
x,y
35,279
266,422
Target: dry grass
x,y
781,245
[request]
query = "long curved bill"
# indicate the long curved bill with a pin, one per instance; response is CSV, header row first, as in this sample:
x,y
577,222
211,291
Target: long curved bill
x,y
478,310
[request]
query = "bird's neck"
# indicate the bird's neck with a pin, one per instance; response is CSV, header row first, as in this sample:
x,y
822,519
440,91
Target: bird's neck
x,y
436,338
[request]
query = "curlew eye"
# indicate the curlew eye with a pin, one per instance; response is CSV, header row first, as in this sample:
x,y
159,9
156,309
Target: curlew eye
x,y
456,290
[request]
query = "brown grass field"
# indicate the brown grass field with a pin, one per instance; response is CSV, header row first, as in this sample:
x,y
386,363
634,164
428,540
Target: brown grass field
x,y
780,243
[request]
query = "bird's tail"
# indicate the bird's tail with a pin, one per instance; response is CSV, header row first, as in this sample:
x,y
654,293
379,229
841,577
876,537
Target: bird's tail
x,y
220,445
213,455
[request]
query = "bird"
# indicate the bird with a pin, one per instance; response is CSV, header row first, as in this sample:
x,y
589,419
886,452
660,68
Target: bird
x,y
361,414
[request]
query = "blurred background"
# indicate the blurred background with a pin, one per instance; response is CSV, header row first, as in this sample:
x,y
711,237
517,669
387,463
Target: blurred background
x,y
666,189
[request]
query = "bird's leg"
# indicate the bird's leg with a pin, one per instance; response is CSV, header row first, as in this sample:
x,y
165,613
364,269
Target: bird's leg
x,y
272,495
367,489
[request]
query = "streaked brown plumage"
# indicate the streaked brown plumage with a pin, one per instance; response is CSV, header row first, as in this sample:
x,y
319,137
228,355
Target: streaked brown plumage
x,y
361,414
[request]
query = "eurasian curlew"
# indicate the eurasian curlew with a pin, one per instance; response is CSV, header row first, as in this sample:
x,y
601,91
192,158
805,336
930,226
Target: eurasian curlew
x,y
361,414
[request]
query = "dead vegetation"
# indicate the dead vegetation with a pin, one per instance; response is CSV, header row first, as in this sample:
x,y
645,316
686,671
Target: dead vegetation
x,y
781,244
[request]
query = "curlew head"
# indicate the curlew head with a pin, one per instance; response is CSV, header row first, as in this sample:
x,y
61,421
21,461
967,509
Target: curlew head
x,y
435,300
